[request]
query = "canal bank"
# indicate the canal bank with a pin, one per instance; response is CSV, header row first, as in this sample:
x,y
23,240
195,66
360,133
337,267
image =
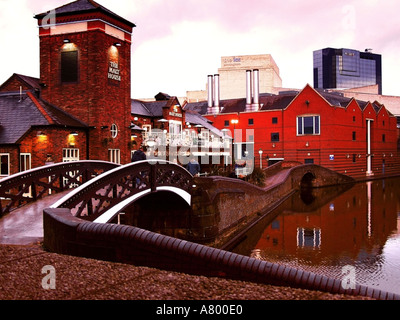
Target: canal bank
x,y
69,235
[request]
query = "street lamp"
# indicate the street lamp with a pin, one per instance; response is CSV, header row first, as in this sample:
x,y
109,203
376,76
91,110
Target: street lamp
x,y
234,122
260,152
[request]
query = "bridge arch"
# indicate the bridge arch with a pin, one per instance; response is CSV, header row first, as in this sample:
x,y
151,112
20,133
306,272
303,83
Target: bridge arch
x,y
307,181
102,198
110,214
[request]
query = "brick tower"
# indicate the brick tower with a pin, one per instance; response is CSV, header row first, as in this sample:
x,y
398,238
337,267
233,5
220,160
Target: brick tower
x,y
85,69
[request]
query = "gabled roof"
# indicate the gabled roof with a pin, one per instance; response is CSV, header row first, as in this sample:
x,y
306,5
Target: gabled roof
x,y
84,6
18,113
269,102
30,83
148,108
195,118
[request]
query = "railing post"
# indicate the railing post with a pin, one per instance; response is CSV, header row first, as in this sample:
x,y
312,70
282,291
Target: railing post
x,y
90,207
85,175
153,177
61,182
33,188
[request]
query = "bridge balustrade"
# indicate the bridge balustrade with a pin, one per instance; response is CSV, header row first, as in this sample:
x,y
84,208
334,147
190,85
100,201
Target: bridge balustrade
x,y
119,185
32,185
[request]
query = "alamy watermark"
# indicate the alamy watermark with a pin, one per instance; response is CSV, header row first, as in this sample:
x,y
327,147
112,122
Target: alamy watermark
x,y
205,148
349,277
49,280
49,20
349,20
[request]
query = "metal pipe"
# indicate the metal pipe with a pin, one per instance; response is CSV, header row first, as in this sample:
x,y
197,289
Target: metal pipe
x,y
248,87
210,91
256,85
216,92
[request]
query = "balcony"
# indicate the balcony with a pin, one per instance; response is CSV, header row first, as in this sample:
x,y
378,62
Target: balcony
x,y
203,141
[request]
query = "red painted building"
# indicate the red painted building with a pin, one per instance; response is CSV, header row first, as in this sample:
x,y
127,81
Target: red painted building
x,y
349,136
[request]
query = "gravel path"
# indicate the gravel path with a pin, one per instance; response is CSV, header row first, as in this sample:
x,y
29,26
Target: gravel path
x,y
86,279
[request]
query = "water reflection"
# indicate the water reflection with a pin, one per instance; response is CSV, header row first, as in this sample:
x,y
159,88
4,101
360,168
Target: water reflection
x,y
335,227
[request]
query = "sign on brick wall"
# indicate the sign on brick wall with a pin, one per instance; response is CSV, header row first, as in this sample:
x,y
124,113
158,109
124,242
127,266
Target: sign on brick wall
x,y
114,72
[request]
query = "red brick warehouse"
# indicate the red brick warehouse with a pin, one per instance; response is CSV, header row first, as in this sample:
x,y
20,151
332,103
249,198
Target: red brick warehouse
x,y
350,136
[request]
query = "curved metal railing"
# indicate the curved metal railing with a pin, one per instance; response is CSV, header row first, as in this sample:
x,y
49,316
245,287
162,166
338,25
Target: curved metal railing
x,y
93,199
32,185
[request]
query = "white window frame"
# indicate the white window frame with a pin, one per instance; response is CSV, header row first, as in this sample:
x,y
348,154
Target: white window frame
x,y
71,155
114,131
314,126
175,128
26,159
114,155
316,241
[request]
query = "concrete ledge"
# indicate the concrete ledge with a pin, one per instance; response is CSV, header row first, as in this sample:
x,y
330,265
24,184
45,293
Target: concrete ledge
x,y
66,234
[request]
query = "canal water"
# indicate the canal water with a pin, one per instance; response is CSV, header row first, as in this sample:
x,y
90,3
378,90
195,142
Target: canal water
x,y
330,231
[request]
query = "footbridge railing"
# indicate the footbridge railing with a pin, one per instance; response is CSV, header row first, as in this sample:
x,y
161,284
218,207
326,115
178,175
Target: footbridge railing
x,y
32,185
102,198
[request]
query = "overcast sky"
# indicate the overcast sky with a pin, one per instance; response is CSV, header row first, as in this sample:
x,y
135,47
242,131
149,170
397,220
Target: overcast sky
x,y
177,43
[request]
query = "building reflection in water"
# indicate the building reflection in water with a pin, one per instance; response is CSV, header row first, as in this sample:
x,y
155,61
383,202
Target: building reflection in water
x,y
358,226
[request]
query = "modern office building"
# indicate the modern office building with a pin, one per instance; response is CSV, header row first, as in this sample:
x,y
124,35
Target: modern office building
x,y
346,69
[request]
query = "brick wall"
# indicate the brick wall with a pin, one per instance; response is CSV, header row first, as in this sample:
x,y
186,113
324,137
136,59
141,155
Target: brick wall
x,y
94,98
52,143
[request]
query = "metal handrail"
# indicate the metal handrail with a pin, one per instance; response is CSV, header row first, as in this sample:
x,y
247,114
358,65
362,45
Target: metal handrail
x,y
31,185
95,197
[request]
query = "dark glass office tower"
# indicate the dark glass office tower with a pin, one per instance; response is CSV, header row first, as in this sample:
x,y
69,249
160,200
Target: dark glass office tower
x,y
346,68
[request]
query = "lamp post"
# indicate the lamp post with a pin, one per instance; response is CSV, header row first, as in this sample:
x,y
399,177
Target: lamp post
x,y
260,152
234,122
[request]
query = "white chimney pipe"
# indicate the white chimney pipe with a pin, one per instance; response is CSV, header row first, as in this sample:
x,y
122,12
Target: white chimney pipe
x,y
256,84
248,88
216,92
210,91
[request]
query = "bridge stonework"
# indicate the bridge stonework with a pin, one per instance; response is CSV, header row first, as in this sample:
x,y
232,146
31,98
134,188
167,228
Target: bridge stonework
x,y
222,206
